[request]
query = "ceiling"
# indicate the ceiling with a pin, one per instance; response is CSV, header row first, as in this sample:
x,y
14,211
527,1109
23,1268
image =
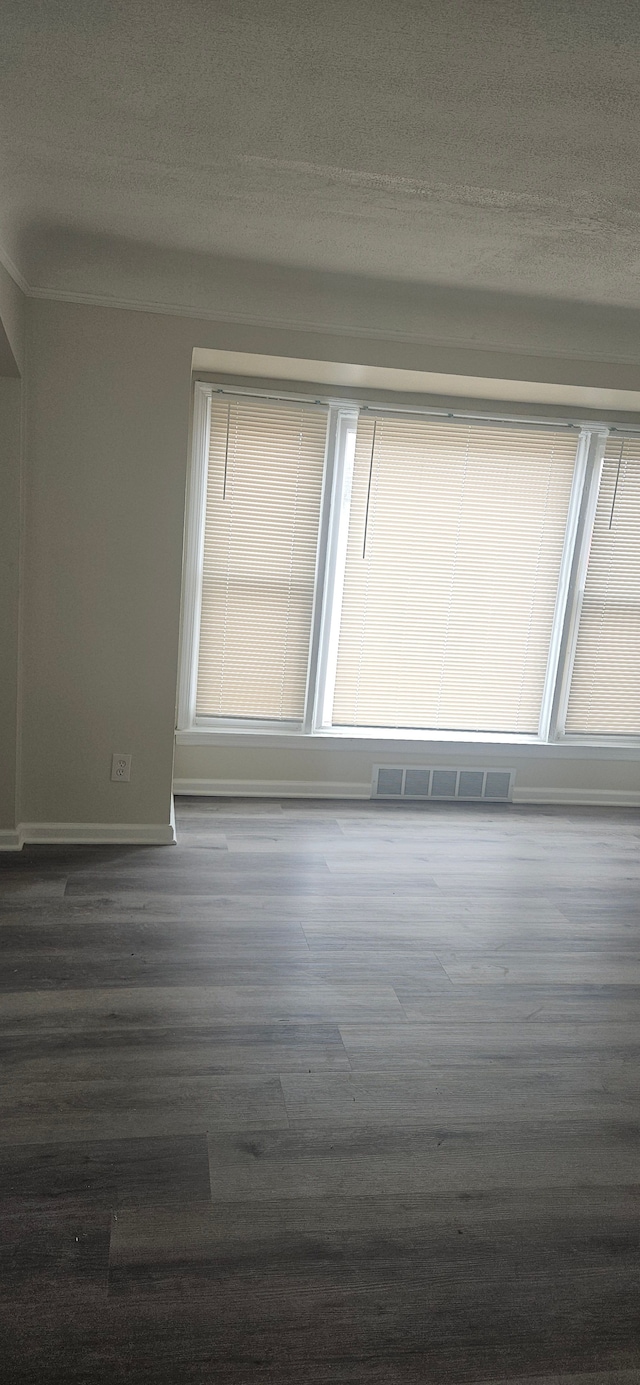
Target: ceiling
x,y
490,144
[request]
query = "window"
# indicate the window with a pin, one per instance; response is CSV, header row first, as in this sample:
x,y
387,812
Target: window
x,y
353,570
605,686
455,544
264,483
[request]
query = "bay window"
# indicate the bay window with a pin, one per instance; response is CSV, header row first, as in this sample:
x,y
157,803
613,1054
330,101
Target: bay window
x,y
353,569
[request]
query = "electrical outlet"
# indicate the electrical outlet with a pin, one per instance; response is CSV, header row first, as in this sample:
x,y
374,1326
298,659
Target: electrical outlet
x,y
121,768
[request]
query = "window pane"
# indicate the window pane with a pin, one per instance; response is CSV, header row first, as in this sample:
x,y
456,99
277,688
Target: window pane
x,y
455,542
605,687
263,504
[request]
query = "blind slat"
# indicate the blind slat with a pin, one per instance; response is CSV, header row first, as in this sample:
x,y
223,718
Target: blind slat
x,y
264,486
605,685
453,555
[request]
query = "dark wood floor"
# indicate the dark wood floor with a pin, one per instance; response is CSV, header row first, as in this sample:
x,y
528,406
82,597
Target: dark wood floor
x,y
326,1093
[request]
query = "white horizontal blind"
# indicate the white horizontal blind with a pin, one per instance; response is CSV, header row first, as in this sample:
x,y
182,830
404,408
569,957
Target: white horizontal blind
x,y
454,549
264,487
605,686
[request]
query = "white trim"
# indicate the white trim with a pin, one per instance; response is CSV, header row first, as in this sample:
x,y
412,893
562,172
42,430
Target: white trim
x,y
270,788
335,555
481,417
596,798
325,329
11,840
100,833
546,726
482,410
287,788
239,726
349,375
193,557
331,329
596,441
321,571
381,740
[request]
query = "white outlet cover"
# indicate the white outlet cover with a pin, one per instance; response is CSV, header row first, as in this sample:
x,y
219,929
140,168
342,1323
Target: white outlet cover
x,y
120,768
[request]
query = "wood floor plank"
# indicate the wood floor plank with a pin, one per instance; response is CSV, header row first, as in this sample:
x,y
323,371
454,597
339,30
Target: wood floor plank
x,y
104,1174
401,1271
398,1047
204,866
271,906
499,1003
51,1254
135,1053
599,1088
442,935
39,1112
450,1156
549,967
346,1094
99,1346
313,879
23,887
192,966
314,1002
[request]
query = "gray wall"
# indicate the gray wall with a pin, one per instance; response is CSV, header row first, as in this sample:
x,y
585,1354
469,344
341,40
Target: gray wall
x,y
12,314
108,416
12,325
10,452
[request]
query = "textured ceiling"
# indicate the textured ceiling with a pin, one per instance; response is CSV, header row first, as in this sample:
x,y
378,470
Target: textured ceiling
x,y
485,143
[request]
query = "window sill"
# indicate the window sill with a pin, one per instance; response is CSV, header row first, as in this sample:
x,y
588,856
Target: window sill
x,y
386,740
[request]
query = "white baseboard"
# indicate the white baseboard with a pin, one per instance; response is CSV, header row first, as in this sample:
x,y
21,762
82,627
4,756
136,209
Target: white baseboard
x,y
164,834
586,798
287,788
270,788
10,840
90,834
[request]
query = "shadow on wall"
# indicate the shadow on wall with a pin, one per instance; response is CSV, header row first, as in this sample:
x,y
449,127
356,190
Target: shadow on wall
x,y
8,364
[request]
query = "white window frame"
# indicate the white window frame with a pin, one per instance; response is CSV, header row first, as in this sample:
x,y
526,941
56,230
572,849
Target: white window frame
x,y
315,725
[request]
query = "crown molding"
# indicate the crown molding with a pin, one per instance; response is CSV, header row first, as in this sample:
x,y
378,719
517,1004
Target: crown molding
x,y
325,329
101,300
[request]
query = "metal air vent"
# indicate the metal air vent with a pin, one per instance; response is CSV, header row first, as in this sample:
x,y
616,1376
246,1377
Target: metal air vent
x,y
422,782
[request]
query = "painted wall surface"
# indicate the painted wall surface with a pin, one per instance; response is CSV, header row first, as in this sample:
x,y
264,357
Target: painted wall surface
x,y
108,417
12,333
10,449
107,426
